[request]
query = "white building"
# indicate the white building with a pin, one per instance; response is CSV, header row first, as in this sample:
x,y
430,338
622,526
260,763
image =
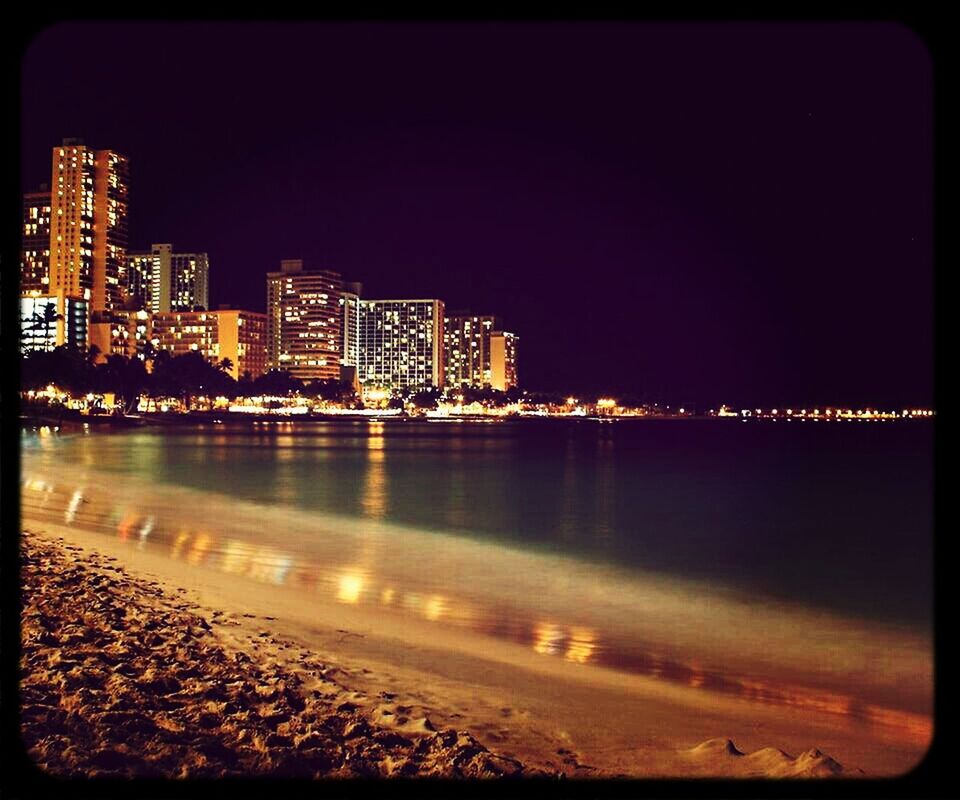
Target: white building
x,y
401,343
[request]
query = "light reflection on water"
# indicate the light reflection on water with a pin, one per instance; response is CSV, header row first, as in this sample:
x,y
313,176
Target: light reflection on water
x,y
357,581
789,514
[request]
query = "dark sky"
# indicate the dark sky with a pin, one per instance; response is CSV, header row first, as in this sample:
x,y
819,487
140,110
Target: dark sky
x,y
689,212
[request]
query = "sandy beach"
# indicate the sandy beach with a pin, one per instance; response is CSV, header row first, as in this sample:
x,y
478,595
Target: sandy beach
x,y
120,678
130,668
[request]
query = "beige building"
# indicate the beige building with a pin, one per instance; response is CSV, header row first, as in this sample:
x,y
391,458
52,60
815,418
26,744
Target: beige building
x,y
88,224
503,360
304,316
240,336
466,344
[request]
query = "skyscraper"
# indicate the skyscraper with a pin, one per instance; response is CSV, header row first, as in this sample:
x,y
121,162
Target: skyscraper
x,y
350,323
466,340
304,336
401,343
88,230
503,360
35,244
162,280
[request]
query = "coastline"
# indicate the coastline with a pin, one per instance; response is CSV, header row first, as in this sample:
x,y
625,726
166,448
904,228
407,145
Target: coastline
x,y
121,678
415,710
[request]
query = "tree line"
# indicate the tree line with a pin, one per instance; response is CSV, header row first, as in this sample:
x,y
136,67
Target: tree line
x,y
185,377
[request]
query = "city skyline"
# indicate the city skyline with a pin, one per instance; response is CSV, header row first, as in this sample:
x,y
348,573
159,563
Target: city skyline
x,y
654,251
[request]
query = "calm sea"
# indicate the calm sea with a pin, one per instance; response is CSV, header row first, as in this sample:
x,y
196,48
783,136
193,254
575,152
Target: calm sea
x,y
832,516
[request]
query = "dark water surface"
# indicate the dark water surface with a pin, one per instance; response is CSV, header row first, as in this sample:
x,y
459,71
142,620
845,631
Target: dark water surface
x,y
833,516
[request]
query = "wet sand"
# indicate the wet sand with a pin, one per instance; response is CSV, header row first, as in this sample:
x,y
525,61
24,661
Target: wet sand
x,y
120,678
131,668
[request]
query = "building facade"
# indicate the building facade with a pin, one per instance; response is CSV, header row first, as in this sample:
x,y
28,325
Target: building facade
x,y
51,320
35,243
162,281
401,344
121,333
141,267
304,334
350,324
466,341
240,336
503,360
89,200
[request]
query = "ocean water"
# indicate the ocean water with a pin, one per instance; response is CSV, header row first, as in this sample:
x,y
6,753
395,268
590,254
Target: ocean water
x,y
637,545
838,516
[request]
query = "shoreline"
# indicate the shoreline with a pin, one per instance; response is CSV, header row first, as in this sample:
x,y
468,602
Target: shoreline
x,y
185,701
385,692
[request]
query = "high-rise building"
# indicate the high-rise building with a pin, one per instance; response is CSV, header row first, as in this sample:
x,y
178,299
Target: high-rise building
x,y
303,321
141,267
88,229
401,343
503,360
162,280
466,340
35,245
240,336
350,323
350,329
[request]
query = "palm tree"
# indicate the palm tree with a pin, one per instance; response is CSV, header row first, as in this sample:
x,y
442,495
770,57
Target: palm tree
x,y
42,322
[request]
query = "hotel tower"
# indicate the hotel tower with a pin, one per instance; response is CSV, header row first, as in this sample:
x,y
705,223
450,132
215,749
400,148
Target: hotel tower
x,y
80,271
304,316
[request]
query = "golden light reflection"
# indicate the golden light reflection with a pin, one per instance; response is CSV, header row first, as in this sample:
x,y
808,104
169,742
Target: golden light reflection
x,y
286,468
354,583
374,497
547,638
236,556
349,588
435,607
178,544
581,646
411,601
124,526
269,566
200,546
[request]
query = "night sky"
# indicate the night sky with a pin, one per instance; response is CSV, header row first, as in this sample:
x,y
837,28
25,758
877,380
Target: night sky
x,y
685,212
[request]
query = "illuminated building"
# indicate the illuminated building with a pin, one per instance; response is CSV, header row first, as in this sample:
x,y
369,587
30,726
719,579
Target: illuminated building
x,y
43,333
503,360
240,336
88,228
141,268
350,323
162,280
35,243
303,321
120,333
401,343
466,344
350,330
